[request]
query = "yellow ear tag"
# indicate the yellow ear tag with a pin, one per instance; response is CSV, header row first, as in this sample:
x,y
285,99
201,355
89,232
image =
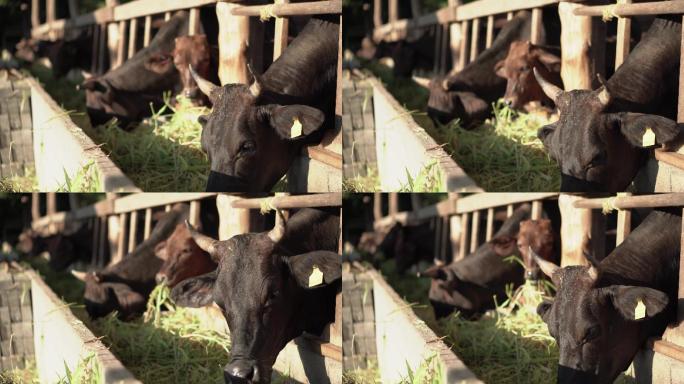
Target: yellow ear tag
x,y
316,277
639,310
649,138
296,129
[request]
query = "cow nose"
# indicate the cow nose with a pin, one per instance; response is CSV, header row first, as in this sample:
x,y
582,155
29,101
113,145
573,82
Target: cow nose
x,y
239,371
508,102
531,275
160,278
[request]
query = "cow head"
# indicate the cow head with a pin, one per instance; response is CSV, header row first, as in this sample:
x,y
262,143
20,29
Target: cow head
x,y
263,295
453,100
60,247
404,57
102,297
597,326
251,145
598,150
522,87
183,258
31,243
538,236
192,51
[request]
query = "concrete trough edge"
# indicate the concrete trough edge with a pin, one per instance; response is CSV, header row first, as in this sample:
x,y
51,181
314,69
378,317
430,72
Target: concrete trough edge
x,y
61,146
62,339
405,340
410,148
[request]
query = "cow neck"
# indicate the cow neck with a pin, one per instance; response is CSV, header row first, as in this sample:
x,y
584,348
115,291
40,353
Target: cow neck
x,y
649,256
636,85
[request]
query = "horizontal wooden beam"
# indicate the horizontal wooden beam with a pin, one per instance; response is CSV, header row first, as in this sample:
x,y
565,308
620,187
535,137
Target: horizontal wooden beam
x,y
637,9
628,202
672,158
325,156
484,8
443,208
140,8
149,200
480,201
669,349
293,201
291,9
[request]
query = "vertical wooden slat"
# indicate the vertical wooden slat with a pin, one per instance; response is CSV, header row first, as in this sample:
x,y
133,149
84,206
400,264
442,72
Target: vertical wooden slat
x,y
167,16
490,31
147,35
393,10
475,39
576,36
377,13
463,59
194,22
445,49
121,242
624,27
282,26
624,223
445,239
377,206
455,36
463,246
535,37
51,203
393,203
536,210
167,208
490,224
455,236
233,40
132,231
438,238
148,223
96,41
103,240
232,221
438,48
132,35
121,44
102,50
50,11
509,16
35,205
35,13
509,210
475,231
194,218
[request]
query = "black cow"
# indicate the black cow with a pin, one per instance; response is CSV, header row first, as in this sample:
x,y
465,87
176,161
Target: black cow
x,y
602,314
254,132
128,91
599,137
470,285
271,287
126,285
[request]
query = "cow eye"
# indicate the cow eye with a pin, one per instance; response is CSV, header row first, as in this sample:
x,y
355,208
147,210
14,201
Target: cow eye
x,y
591,334
202,119
248,146
598,160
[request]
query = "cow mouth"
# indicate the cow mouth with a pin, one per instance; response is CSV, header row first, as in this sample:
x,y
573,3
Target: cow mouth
x,y
573,184
220,182
247,372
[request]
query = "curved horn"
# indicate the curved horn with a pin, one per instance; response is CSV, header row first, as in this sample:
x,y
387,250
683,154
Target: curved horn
x,y
206,86
551,90
604,96
79,275
278,230
205,242
255,88
547,267
593,273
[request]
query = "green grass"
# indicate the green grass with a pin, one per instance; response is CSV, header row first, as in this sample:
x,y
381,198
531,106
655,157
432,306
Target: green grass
x,y
359,184
502,155
26,183
27,375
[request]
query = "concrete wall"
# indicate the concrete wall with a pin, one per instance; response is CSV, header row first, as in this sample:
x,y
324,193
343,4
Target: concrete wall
x,y
403,339
60,338
61,147
310,175
404,147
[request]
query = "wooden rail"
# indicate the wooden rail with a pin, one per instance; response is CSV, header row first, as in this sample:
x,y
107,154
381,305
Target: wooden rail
x,y
629,202
639,9
282,10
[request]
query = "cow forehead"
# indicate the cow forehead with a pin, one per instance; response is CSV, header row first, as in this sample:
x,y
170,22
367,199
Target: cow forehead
x,y
247,252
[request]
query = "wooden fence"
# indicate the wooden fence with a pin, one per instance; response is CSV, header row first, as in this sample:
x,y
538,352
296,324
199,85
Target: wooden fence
x,y
114,224
115,29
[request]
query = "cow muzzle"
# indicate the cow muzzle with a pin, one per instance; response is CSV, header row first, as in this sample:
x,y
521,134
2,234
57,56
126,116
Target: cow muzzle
x,y
160,278
241,372
567,375
573,184
220,182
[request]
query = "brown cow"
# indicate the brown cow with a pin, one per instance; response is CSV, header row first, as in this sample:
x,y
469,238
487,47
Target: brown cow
x,y
184,259
522,88
195,51
538,235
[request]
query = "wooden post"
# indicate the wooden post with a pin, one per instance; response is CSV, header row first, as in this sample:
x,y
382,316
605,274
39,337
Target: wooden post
x,y
377,13
377,206
147,35
445,49
194,22
96,41
282,26
113,36
232,221
475,39
50,10
103,48
232,40
103,239
132,35
167,16
463,59
438,238
537,26
121,44
509,16
624,223
576,68
51,203
35,13
490,31
121,243
393,10
393,203
624,27
464,236
455,236
475,231
132,231
438,48
509,210
444,239
575,231
194,217
455,37
35,206
148,223
536,210
490,224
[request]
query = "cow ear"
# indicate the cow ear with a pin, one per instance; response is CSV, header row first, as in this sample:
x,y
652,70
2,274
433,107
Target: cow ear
x,y
504,245
636,303
159,62
315,269
635,126
295,121
548,59
435,272
543,309
195,292
93,84
546,134
499,69
160,250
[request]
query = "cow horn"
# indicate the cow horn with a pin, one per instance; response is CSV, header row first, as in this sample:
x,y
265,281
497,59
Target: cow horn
x,y
593,273
255,88
278,230
551,90
547,267
206,86
79,275
205,242
604,96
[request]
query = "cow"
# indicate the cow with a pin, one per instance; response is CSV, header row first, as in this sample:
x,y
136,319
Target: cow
x,y
193,51
521,86
539,236
184,258
603,313
471,285
31,243
600,137
125,286
68,247
468,94
253,133
409,55
130,91
270,286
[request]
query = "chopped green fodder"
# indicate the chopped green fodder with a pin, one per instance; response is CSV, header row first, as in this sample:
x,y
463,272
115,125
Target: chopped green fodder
x,y
430,371
163,153
87,179
430,178
86,372
26,183
368,183
26,375
370,375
